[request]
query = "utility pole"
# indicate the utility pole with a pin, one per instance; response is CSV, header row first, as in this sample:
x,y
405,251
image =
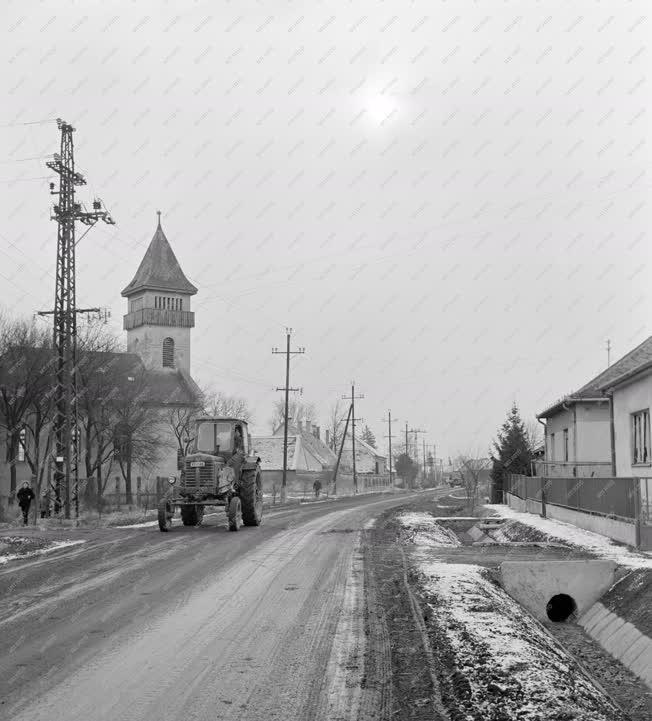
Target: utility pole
x,y
339,455
407,443
287,352
390,436
66,212
416,431
424,458
608,353
353,420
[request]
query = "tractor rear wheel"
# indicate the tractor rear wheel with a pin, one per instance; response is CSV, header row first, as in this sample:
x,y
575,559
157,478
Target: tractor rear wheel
x,y
190,516
233,513
251,493
165,513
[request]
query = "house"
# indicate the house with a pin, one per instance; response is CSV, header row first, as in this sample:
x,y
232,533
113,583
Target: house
x,y
367,458
158,325
578,438
630,389
306,454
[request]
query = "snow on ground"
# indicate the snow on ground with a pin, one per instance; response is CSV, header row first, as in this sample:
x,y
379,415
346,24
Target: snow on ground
x,y
54,546
593,542
427,532
514,669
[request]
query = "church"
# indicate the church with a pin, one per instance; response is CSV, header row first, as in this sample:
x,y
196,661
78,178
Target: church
x,y
158,324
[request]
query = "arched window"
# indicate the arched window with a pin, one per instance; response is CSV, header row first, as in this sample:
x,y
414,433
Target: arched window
x,y
168,353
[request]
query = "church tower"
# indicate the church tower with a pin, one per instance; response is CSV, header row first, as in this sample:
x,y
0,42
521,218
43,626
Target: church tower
x,y
159,319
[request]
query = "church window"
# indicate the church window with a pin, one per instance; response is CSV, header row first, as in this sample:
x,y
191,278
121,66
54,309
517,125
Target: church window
x,y
168,353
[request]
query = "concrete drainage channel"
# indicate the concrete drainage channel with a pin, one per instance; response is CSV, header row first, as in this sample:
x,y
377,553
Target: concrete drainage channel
x,y
558,590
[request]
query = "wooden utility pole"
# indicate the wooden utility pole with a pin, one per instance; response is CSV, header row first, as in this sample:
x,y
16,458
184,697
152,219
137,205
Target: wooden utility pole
x,y
390,436
353,420
287,352
339,455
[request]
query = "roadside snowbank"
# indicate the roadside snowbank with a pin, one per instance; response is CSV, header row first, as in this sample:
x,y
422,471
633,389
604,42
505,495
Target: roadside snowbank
x,y
52,546
593,542
504,664
427,532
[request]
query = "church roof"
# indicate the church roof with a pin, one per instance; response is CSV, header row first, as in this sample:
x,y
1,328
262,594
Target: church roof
x,y
159,269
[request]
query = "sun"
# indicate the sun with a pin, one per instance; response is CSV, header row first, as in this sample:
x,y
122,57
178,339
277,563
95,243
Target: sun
x,y
380,108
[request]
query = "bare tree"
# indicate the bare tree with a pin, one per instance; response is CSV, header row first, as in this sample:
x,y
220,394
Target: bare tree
x,y
471,468
534,434
220,404
181,420
25,387
136,437
336,422
298,411
99,372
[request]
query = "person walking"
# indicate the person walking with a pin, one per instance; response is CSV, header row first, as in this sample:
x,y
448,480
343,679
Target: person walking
x,y
316,487
25,497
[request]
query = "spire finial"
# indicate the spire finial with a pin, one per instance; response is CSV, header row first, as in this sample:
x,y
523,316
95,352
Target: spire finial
x,y
158,212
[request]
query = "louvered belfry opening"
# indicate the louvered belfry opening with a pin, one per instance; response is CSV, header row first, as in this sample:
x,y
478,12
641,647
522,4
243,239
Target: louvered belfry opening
x,y
168,353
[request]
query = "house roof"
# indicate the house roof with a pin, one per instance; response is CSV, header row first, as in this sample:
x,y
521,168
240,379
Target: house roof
x,y
159,269
270,450
633,362
369,448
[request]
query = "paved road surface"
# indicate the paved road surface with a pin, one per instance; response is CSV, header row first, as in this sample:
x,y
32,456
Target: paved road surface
x,y
195,624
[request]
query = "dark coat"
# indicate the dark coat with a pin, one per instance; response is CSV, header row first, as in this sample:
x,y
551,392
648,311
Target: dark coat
x,y
25,496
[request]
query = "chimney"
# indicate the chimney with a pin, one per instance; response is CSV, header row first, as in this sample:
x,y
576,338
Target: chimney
x,y
328,438
317,431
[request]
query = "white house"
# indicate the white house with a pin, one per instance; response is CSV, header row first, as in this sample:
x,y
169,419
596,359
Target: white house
x,y
578,437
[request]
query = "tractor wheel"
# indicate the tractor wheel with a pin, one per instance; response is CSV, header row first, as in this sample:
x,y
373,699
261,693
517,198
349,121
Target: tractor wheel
x,y
189,515
200,514
165,513
251,493
233,513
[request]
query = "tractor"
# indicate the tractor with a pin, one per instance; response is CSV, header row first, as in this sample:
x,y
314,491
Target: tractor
x,y
219,470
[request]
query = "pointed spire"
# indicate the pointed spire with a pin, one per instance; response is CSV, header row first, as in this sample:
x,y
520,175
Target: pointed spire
x,y
159,269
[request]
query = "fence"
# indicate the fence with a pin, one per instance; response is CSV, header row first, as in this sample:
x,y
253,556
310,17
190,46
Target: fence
x,y
567,469
614,497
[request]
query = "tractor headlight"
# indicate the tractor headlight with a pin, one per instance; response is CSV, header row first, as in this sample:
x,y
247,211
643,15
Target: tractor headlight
x,y
172,480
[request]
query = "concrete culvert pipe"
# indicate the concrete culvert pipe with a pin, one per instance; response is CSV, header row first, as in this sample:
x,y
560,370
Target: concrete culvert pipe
x,y
561,607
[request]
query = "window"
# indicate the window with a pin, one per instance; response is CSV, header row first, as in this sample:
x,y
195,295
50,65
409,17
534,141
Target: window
x,y
168,353
21,445
552,446
641,437
180,303
566,444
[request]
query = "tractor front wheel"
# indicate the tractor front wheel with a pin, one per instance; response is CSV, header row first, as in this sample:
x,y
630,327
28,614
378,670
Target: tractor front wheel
x,y
165,513
251,493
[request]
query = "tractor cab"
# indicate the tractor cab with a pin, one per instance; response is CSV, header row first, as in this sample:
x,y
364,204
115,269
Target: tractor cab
x,y
220,436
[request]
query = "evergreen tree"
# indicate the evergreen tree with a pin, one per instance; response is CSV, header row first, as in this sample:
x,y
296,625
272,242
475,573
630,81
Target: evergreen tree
x,y
368,436
406,469
512,453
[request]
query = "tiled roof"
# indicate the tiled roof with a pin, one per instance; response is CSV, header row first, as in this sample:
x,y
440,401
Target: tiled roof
x,y
160,269
631,363
270,450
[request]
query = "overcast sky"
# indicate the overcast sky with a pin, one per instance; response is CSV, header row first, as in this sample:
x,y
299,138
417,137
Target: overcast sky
x,y
447,201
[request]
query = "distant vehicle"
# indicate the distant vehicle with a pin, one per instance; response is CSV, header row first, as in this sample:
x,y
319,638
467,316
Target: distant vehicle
x,y
220,470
